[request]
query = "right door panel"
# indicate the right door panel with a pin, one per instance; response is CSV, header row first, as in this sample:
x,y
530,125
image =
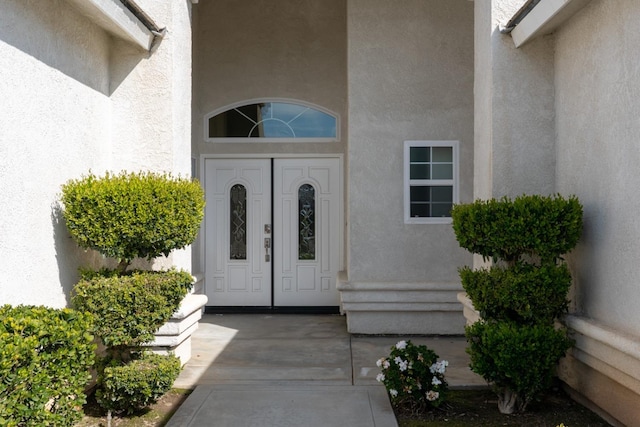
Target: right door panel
x,y
306,230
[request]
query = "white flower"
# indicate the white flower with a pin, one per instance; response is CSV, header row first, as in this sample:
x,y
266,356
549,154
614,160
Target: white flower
x,y
380,378
386,364
439,367
380,361
403,365
398,360
401,345
436,381
393,393
432,395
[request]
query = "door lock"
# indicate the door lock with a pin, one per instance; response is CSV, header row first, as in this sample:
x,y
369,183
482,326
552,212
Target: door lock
x,y
267,229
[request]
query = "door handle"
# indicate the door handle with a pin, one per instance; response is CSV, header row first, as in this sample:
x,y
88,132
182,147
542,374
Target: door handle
x,y
267,245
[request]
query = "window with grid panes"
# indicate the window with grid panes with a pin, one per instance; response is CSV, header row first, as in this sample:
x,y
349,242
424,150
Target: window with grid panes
x,y
430,181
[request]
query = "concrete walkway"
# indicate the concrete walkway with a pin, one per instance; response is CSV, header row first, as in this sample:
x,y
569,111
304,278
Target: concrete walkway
x,y
295,370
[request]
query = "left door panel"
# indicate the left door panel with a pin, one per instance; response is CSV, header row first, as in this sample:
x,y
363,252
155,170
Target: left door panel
x,y
238,220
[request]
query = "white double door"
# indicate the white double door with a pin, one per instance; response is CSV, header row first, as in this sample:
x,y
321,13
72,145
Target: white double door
x,y
272,232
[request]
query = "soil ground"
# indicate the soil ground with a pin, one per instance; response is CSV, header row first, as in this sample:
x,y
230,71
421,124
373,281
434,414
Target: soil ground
x,y
156,415
463,408
480,408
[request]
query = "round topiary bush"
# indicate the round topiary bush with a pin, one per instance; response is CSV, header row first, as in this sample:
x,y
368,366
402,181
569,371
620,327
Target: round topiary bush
x,y
539,226
129,307
133,215
127,387
518,360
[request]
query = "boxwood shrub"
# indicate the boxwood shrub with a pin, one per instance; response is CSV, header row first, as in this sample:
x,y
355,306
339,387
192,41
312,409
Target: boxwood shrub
x,y
138,383
129,308
133,215
523,293
516,345
518,359
45,360
534,225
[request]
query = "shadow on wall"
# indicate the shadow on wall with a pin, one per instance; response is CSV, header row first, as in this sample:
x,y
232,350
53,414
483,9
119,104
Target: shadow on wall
x,y
69,255
55,34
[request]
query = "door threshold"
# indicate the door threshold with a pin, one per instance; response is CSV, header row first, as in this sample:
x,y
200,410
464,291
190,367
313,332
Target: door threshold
x,y
271,310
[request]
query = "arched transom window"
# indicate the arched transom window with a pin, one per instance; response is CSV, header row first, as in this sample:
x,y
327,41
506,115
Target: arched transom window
x,y
272,121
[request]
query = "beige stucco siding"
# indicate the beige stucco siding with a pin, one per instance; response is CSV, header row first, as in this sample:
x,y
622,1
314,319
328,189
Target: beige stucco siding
x,y
75,99
410,78
514,114
245,50
54,125
598,124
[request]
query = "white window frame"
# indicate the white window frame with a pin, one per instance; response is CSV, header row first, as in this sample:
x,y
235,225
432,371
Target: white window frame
x,y
408,182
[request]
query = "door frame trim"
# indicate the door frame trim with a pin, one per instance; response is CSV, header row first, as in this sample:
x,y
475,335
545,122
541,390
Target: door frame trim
x,y
199,174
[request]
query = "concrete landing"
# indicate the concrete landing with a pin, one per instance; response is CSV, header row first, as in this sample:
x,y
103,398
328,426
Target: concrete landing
x,y
295,370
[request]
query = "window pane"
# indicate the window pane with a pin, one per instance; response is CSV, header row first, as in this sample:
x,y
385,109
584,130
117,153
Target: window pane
x,y
442,171
442,194
419,171
419,154
314,124
420,193
442,154
420,210
272,128
306,222
238,229
441,209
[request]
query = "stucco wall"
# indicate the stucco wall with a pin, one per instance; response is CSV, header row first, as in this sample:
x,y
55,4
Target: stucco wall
x,y
73,100
514,122
253,49
410,78
598,123
54,125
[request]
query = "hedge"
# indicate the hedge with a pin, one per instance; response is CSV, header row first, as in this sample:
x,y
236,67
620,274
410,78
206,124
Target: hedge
x,y
45,358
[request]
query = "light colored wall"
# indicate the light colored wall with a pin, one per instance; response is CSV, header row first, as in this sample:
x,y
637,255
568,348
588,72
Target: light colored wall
x,y
54,125
73,100
410,77
598,123
151,101
514,122
253,49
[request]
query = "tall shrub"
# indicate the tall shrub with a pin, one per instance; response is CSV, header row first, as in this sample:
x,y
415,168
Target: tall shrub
x,y
129,216
516,346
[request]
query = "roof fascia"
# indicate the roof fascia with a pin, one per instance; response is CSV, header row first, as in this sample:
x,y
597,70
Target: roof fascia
x,y
543,18
119,19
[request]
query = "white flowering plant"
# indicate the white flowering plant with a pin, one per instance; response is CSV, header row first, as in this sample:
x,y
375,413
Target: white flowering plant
x,y
413,375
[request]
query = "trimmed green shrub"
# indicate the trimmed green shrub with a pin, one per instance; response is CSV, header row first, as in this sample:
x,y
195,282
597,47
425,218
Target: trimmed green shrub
x,y
127,216
129,308
137,384
45,358
516,346
518,360
523,293
541,226
133,215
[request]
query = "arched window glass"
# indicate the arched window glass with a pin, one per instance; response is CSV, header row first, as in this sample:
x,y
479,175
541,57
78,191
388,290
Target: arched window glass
x,y
306,222
272,120
238,229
